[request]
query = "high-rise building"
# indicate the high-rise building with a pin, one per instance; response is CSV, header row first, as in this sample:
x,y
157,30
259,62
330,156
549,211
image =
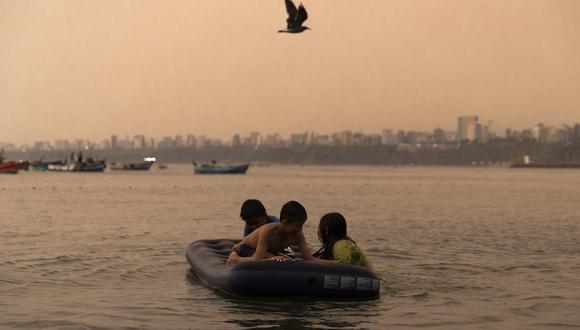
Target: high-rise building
x,y
42,145
358,139
466,128
114,142
165,143
61,144
401,136
274,140
439,135
389,137
298,138
482,133
190,141
255,139
374,139
105,145
178,142
140,142
236,140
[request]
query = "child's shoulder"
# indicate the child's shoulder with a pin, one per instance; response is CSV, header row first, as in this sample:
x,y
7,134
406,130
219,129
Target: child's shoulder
x,y
269,226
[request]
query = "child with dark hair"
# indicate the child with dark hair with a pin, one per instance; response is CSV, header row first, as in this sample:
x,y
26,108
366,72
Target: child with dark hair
x,y
254,215
336,245
269,240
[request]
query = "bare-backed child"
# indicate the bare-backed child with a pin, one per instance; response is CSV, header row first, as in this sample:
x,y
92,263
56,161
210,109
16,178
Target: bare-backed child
x,y
269,240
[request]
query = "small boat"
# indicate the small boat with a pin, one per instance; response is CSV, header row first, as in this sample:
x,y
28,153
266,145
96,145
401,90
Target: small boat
x,y
92,167
61,167
143,166
214,168
526,162
75,163
77,167
162,166
9,168
23,165
39,166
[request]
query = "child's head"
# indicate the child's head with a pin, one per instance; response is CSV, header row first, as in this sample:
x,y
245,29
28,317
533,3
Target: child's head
x,y
254,213
293,214
332,227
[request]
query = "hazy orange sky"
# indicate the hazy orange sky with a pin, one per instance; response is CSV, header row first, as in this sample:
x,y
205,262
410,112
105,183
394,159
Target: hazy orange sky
x,y
92,68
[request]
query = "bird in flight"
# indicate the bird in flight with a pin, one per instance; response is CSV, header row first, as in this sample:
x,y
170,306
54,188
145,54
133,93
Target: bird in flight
x,y
296,17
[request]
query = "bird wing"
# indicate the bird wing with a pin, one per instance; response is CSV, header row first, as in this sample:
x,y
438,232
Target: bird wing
x,y
292,12
301,15
291,9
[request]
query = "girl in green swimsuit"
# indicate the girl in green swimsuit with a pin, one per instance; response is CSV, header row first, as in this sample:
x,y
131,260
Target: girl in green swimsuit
x,y
336,245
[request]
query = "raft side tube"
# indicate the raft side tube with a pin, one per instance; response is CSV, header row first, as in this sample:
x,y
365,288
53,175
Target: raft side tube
x,y
269,278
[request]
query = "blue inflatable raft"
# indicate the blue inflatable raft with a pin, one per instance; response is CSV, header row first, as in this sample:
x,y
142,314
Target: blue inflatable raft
x,y
268,278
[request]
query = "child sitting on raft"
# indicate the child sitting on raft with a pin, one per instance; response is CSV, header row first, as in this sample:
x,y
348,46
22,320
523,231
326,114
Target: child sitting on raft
x,y
336,245
267,241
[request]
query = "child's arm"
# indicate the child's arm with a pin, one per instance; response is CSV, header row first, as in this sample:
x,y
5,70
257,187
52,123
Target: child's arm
x,y
262,245
304,248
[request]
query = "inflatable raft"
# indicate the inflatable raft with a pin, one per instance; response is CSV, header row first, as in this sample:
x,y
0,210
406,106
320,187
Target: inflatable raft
x,y
269,278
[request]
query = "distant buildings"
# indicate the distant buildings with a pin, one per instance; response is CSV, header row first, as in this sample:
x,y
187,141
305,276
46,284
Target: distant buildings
x,y
466,128
388,137
114,142
469,130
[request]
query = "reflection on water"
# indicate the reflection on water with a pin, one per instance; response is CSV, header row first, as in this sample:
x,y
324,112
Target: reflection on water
x,y
454,247
290,314
293,312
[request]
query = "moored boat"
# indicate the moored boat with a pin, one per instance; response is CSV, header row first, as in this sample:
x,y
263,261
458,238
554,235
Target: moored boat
x,y
214,168
142,166
23,165
9,168
60,167
39,166
527,162
93,167
75,163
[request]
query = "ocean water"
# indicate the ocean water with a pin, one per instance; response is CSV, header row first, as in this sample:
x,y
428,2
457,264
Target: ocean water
x,y
455,248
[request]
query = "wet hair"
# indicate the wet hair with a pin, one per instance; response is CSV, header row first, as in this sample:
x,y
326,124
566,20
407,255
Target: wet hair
x,y
252,208
293,212
332,228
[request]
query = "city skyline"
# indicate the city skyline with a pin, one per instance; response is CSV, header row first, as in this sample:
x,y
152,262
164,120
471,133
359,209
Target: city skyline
x,y
498,129
468,128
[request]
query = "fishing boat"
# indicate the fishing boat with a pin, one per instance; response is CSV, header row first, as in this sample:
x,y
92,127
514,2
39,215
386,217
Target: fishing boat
x,y
141,166
23,165
145,165
78,167
526,162
93,167
39,166
214,168
9,168
75,163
